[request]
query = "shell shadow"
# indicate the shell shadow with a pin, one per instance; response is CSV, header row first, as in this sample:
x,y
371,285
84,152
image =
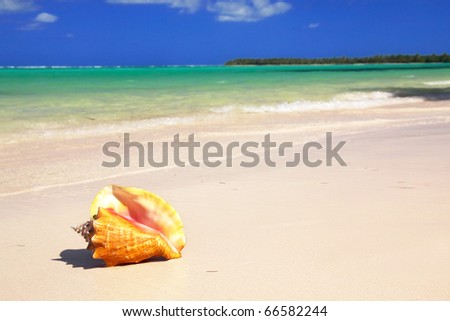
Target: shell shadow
x,y
79,258
82,258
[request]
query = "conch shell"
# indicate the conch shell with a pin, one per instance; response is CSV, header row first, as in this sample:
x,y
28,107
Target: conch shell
x,y
129,225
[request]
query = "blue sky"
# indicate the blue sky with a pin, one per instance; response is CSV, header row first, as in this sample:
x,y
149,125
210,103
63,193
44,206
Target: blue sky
x,y
155,32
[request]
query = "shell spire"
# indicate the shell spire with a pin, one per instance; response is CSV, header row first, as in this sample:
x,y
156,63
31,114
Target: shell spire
x,y
86,230
129,225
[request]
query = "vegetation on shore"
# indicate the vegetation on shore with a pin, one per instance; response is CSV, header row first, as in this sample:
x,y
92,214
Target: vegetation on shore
x,y
342,60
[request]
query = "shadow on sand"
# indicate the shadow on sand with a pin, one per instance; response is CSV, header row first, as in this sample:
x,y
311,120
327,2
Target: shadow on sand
x,y
79,258
82,258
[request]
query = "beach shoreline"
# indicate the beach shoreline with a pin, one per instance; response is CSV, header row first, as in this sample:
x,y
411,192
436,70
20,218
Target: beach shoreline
x,y
376,229
55,161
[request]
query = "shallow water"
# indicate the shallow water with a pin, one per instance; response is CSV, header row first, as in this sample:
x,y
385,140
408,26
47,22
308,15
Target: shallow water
x,y
37,102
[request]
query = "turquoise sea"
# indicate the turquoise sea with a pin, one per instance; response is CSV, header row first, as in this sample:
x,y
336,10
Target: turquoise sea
x,y
38,101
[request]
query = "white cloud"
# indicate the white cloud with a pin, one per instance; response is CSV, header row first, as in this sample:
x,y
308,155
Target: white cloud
x,y
247,10
16,6
313,25
39,21
45,17
226,10
184,5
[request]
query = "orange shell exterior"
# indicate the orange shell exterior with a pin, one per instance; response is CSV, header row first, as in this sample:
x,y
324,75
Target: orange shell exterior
x,y
117,240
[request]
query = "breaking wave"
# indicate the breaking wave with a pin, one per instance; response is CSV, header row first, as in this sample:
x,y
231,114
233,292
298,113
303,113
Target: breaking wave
x,y
353,100
437,83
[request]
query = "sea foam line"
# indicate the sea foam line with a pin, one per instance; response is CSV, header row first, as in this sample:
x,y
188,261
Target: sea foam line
x,y
437,83
43,131
349,100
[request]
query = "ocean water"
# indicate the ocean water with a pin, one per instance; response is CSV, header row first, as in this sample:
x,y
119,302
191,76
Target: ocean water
x,y
40,101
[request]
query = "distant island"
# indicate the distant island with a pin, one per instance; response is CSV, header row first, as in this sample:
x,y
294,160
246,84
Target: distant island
x,y
342,60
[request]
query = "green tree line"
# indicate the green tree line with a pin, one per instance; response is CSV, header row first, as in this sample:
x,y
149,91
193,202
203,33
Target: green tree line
x,y
342,60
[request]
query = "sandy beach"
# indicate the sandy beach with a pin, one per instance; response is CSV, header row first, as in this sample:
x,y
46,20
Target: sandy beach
x,y
377,229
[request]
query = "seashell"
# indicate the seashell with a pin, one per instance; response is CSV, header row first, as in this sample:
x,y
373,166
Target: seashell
x,y
129,225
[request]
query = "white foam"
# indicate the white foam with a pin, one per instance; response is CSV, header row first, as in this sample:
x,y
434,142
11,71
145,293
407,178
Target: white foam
x,y
351,100
123,126
437,83
31,67
223,110
49,130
